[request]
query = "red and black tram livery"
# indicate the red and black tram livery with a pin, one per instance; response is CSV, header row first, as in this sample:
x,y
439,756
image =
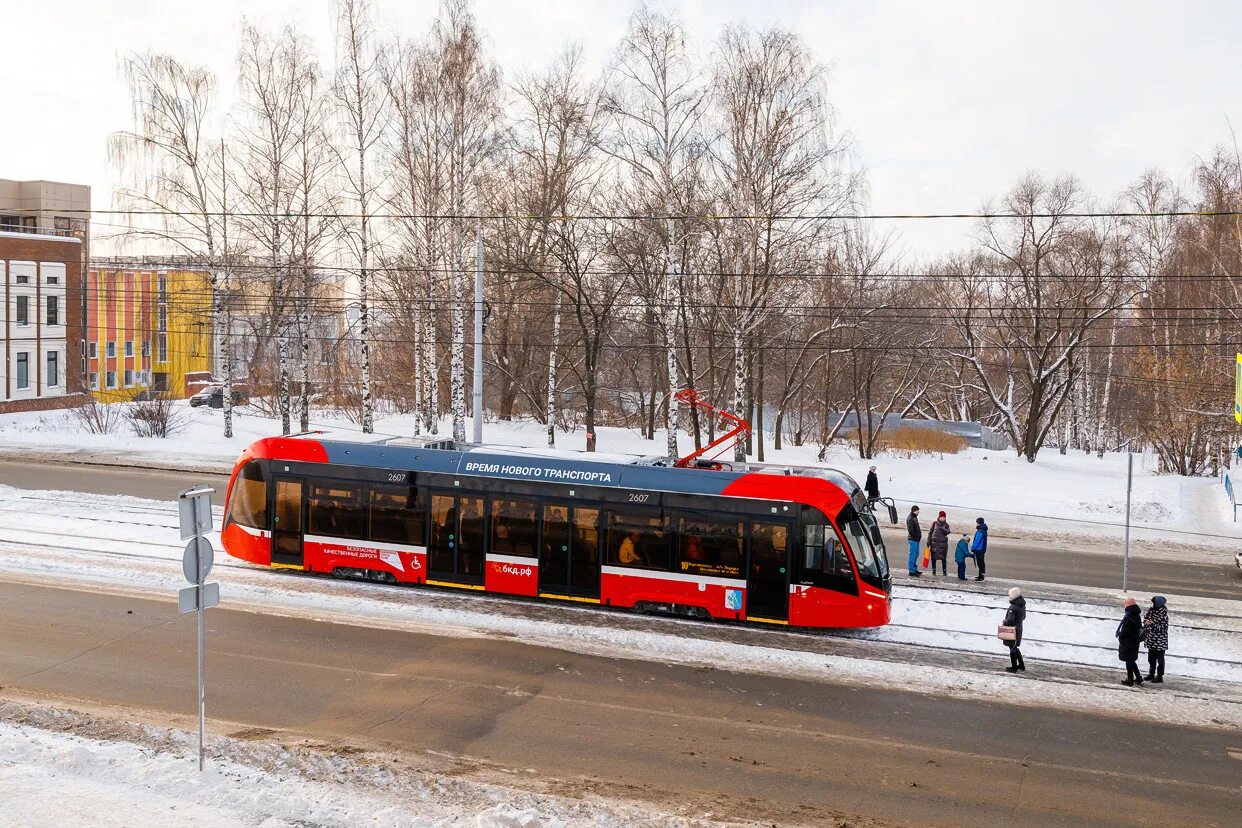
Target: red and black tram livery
x,y
782,546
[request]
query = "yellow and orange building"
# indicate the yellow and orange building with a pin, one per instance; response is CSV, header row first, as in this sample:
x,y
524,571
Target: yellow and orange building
x,y
146,330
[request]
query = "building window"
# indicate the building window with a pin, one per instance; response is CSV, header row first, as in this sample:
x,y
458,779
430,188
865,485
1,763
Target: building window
x,y
110,349
23,370
111,379
23,279
94,381
162,321
146,347
53,310
129,377
162,289
129,348
53,280
163,355
23,310
92,351
53,369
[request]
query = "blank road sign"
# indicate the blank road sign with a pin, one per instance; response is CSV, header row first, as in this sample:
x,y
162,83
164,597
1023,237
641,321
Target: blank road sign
x,y
188,599
194,506
197,560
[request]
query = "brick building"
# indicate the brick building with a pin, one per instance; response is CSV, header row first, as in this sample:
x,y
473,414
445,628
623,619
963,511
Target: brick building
x,y
41,266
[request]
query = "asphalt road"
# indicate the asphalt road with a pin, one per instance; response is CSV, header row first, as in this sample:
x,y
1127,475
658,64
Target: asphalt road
x,y
1063,563
1043,561
112,480
737,746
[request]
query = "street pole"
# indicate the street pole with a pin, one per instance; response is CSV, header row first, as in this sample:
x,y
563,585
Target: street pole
x,y
478,334
1125,564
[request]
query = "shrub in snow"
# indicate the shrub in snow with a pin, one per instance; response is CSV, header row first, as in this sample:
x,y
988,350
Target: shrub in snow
x,y
97,418
159,416
907,442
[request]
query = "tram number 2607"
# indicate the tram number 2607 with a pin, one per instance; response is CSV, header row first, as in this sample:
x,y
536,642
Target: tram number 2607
x,y
398,477
636,497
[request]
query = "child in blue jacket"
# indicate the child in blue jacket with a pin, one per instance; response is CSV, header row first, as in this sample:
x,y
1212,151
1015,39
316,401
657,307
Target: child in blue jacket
x,y
960,554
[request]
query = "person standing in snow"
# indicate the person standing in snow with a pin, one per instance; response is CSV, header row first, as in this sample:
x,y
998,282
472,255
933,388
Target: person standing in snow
x,y
872,486
960,554
938,540
1014,616
1128,633
979,546
1156,636
915,533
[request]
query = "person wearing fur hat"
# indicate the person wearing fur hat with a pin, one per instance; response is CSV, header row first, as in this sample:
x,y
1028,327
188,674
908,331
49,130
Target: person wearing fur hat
x,y
938,540
1128,633
1014,616
1156,636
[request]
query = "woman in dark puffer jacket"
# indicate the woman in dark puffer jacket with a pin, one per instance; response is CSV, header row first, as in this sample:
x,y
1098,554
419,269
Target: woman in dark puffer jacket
x,y
1156,636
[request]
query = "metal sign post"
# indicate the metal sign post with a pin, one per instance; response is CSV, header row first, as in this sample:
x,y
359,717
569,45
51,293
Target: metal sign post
x,y
1125,562
195,510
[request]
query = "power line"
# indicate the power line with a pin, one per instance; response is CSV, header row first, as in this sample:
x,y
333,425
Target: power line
x,y
573,217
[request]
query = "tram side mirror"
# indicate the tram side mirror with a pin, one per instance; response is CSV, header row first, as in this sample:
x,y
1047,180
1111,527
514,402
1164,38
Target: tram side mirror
x,y
892,514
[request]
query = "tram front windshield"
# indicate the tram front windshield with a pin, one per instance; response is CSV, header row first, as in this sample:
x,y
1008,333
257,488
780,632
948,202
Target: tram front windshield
x,y
872,566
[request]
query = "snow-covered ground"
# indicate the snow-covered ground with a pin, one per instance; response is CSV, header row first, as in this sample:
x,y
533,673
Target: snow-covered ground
x,y
60,767
131,544
1059,497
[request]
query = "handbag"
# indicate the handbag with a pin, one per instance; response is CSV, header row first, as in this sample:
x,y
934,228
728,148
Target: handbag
x,y
927,557
1007,633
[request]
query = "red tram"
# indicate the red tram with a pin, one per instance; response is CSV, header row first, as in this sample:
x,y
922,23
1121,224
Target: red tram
x,y
781,546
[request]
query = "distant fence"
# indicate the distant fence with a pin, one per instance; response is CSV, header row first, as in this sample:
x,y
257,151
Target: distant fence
x,y
1232,495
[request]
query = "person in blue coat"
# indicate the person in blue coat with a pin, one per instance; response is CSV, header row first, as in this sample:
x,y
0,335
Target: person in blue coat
x,y
960,553
979,546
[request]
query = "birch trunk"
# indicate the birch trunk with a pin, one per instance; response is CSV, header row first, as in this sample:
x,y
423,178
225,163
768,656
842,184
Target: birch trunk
x,y
364,316
459,356
739,389
282,347
668,318
304,374
220,323
556,337
431,373
418,371
1101,422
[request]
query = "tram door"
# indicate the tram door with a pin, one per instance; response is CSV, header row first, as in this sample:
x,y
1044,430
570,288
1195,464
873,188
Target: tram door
x,y
768,583
457,538
287,521
569,551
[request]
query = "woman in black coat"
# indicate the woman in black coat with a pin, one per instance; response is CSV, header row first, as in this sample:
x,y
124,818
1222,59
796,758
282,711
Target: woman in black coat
x,y
1128,632
1014,616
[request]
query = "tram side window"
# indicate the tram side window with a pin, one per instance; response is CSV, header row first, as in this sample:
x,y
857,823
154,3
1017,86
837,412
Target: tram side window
x,y
335,511
710,547
249,504
513,527
639,539
824,554
398,515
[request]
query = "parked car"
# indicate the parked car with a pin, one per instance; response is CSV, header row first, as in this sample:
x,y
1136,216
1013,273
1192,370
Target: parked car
x,y
213,396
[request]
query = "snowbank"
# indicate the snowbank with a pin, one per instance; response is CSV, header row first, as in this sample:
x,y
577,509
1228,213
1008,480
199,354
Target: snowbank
x,y
55,777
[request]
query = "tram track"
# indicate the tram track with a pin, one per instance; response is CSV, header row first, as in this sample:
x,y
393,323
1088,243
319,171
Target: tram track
x,y
522,607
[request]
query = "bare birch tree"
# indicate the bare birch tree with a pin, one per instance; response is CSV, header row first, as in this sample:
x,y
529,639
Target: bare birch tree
x,y
655,104
174,157
359,100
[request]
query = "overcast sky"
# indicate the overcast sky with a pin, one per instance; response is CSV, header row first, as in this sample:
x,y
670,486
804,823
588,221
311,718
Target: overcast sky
x,y
947,102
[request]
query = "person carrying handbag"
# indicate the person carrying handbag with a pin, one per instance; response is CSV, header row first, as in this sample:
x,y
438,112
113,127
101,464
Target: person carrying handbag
x,y
1010,631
